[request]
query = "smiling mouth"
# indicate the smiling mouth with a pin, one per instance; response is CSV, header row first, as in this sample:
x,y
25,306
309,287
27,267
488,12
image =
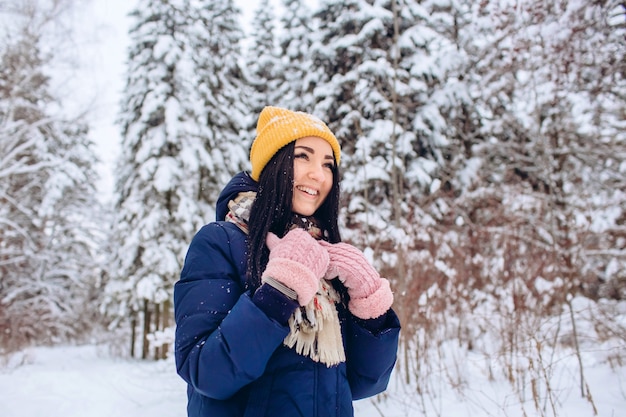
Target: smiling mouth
x,y
307,190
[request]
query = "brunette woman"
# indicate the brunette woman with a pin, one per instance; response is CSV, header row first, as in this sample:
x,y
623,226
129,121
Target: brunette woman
x,y
275,315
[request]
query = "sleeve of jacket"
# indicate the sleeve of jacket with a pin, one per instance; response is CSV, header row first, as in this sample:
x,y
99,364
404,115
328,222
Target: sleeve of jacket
x,y
223,340
371,355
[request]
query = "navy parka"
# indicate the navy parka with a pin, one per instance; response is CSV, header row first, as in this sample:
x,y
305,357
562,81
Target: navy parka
x,y
231,353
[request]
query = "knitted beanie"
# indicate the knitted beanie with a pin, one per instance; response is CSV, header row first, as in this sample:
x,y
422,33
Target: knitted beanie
x,y
278,127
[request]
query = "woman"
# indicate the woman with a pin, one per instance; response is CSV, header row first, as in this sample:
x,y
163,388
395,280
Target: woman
x,y
275,315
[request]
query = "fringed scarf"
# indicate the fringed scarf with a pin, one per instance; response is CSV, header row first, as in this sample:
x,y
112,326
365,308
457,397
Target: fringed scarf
x,y
314,329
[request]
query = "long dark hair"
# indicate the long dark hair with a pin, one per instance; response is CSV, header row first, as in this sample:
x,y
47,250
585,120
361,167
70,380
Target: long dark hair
x,y
271,210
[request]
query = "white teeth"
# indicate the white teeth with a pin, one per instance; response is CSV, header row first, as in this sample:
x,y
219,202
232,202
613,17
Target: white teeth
x,y
308,190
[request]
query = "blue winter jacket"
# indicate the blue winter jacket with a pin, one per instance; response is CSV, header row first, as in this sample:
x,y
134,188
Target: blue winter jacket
x,y
231,353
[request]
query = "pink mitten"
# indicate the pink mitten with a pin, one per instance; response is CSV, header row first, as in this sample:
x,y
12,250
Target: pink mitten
x,y
370,295
296,261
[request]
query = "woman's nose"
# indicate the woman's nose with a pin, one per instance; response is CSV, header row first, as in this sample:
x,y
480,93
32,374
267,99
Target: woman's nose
x,y
316,172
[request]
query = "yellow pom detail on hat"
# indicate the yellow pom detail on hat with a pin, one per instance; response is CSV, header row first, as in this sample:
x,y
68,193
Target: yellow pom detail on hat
x,y
278,127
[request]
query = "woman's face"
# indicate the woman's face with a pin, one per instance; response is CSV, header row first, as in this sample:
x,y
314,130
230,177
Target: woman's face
x,y
312,174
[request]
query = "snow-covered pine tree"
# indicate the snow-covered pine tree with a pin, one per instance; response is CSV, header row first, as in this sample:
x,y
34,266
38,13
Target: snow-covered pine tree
x,y
183,122
354,72
379,65
159,176
263,63
48,207
222,92
295,49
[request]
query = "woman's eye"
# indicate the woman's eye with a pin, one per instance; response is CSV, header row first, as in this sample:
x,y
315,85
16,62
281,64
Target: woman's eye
x,y
301,155
329,165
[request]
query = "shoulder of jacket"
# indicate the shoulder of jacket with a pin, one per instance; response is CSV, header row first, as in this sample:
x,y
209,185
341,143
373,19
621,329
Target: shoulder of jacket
x,y
228,228
225,236
225,241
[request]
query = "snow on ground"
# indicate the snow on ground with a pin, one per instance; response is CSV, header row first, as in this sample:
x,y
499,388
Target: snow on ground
x,y
84,381
89,382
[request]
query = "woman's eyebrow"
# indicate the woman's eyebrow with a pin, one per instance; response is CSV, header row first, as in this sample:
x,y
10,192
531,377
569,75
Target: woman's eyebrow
x,y
311,150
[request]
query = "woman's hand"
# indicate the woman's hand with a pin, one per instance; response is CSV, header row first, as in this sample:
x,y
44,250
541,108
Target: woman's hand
x,y
296,261
370,295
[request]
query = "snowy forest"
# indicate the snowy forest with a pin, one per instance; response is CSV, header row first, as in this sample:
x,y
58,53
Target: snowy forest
x,y
483,171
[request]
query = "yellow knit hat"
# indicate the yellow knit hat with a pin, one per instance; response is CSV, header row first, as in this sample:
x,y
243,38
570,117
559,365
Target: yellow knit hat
x,y
278,127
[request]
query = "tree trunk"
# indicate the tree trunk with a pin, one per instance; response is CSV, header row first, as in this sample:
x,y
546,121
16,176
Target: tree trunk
x,y
166,323
157,322
146,330
133,335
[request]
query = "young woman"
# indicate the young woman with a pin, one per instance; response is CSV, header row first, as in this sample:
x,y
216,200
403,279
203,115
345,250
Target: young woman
x,y
275,315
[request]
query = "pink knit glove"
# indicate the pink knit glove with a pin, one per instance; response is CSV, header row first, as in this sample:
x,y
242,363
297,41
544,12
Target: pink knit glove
x,y
370,295
296,261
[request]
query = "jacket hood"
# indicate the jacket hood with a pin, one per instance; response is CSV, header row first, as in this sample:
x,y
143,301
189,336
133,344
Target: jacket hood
x,y
241,182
